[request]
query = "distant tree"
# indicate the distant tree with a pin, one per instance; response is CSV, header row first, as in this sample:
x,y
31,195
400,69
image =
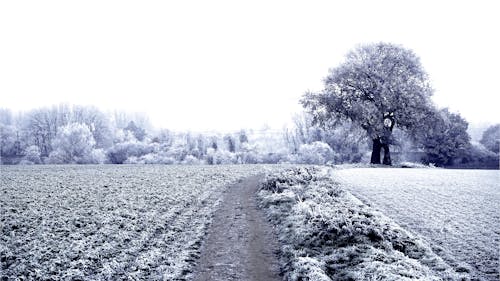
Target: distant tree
x,y
220,157
32,155
121,152
165,138
96,121
138,132
249,154
480,157
6,116
41,127
74,143
444,138
377,87
120,119
10,144
243,137
348,141
191,144
230,143
201,146
491,138
306,130
213,143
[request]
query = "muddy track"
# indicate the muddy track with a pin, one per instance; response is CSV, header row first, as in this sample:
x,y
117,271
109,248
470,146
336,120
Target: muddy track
x,y
240,244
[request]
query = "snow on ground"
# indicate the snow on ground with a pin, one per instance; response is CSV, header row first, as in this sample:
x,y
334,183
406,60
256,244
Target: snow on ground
x,y
107,222
327,234
456,211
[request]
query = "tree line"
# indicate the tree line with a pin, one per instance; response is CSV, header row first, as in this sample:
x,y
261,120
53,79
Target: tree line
x,y
65,134
376,102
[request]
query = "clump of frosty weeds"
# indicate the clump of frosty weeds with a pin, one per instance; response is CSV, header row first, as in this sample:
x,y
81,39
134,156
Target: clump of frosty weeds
x,y
328,234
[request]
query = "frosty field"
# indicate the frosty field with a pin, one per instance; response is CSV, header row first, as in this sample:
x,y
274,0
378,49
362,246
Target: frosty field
x,y
107,222
327,234
147,222
456,211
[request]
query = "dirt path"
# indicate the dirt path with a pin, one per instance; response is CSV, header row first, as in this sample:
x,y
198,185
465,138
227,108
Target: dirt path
x,y
240,244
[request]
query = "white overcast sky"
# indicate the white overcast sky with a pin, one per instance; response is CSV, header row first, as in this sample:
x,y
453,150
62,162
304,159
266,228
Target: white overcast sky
x,y
204,65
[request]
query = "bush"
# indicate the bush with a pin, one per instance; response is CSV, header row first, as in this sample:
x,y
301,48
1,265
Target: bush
x,y
98,156
249,154
480,158
191,160
318,153
220,157
31,155
120,152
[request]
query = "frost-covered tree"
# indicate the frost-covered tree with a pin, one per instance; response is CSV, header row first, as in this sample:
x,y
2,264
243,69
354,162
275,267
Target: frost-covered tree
x,y
243,137
32,155
10,144
129,148
230,142
6,117
74,143
444,137
96,121
249,154
377,87
348,141
121,119
491,138
137,131
41,127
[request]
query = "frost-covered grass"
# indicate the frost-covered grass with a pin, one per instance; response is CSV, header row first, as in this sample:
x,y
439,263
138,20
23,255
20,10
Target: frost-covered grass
x,y
107,222
456,211
328,234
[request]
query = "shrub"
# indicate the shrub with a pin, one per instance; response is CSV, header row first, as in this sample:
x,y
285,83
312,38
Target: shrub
x,y
220,157
318,153
31,155
120,152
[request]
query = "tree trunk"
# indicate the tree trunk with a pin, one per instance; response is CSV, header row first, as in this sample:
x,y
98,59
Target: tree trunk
x,y
377,145
387,154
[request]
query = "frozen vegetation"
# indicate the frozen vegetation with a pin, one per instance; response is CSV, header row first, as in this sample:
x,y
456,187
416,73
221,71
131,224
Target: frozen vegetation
x,y
147,222
65,134
107,222
328,234
456,211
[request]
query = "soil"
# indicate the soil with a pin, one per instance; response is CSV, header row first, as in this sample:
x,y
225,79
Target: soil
x,y
240,244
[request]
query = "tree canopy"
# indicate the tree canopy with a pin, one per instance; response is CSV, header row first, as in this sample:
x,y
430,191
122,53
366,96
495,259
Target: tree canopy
x,y
444,138
375,82
491,138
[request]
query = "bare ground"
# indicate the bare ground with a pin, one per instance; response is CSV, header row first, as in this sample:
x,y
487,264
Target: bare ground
x,y
240,244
